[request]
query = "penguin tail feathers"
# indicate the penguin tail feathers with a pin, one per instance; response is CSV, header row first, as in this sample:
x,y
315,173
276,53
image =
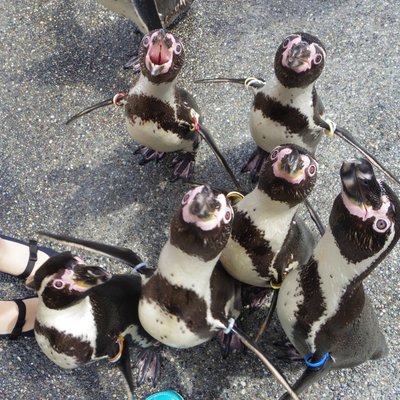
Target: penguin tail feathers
x,y
123,254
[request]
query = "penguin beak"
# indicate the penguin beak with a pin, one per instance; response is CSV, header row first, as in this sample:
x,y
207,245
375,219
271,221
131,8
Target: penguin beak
x,y
204,204
292,163
90,276
299,55
159,54
360,184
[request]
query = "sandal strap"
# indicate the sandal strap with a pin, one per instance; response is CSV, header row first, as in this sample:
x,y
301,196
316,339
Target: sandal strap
x,y
20,320
33,249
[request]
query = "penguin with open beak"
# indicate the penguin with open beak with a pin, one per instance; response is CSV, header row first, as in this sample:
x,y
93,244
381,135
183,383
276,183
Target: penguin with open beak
x,y
322,305
160,116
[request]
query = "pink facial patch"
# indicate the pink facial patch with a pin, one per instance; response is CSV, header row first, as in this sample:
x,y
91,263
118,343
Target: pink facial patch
x,y
68,280
306,63
224,213
365,212
298,176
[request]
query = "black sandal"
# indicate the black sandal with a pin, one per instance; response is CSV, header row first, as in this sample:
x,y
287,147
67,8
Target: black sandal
x,y
33,249
17,330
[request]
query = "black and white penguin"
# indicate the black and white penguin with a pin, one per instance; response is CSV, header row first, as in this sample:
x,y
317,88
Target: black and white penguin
x,y
267,237
287,108
161,116
150,14
85,313
190,297
322,305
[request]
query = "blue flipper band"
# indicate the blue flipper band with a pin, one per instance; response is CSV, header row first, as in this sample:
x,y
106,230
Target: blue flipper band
x,y
317,364
166,395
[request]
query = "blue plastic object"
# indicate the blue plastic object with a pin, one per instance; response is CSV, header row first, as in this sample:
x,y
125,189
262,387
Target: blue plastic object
x,y
165,395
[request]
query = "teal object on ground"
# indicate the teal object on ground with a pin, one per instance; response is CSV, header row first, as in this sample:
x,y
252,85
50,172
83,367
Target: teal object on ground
x,y
165,395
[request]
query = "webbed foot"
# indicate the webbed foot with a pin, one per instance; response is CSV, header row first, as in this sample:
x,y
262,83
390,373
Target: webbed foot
x,y
183,166
229,342
255,163
148,155
148,363
254,297
286,351
133,63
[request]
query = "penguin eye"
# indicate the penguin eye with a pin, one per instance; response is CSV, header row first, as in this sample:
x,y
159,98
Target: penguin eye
x,y
318,59
227,216
185,198
286,43
381,225
312,169
146,41
274,154
178,49
58,284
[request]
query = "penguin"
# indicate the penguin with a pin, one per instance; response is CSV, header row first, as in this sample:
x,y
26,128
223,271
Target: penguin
x,y
287,109
268,238
150,14
322,306
161,116
85,314
190,297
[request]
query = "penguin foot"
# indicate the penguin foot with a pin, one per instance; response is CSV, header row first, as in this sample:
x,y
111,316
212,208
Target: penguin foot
x,y
254,297
255,163
229,342
183,166
149,155
286,351
133,63
148,363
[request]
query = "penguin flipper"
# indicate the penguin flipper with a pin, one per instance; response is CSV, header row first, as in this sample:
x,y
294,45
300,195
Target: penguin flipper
x,y
309,377
124,365
123,254
315,217
210,141
251,82
345,135
88,110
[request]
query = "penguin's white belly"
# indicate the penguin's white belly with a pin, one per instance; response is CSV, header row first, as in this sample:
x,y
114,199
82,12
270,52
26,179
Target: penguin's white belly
x,y
289,299
165,327
269,134
61,359
238,264
151,135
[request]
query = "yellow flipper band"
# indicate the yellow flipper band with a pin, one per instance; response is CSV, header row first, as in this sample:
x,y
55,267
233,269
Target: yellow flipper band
x,y
250,80
234,197
275,285
120,341
332,127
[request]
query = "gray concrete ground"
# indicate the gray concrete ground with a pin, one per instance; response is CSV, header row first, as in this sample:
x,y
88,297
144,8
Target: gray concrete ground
x,y
60,56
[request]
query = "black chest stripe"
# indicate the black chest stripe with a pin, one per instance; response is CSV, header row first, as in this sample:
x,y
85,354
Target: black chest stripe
x,y
67,344
251,238
290,117
183,303
314,304
149,108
